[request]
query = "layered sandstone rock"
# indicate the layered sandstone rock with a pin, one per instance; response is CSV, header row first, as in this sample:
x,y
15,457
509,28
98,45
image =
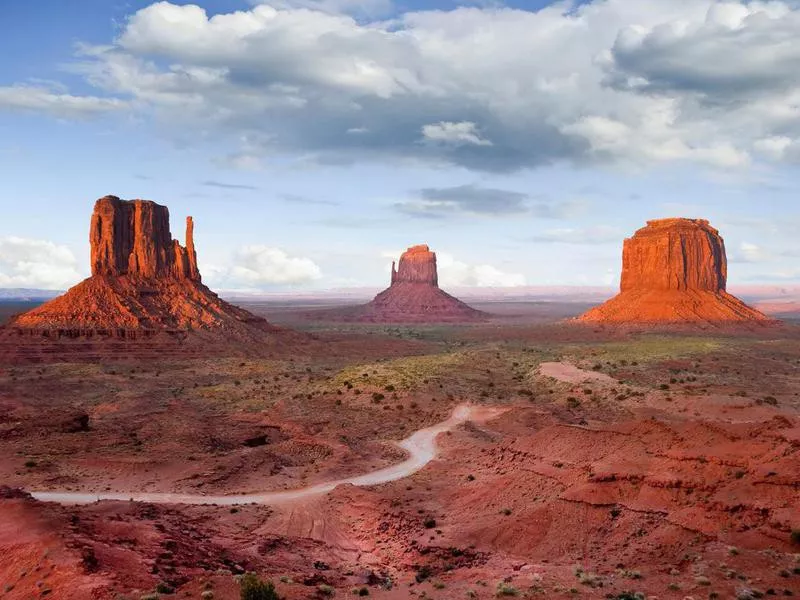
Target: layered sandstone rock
x,y
142,282
133,238
674,271
414,295
417,265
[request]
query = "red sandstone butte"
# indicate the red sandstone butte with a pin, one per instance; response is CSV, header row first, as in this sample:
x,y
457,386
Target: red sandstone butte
x,y
142,280
414,295
674,271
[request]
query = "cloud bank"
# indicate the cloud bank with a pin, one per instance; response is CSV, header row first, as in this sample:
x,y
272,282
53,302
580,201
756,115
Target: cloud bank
x,y
628,82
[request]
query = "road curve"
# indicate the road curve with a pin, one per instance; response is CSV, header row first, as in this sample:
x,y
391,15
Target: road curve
x,y
421,447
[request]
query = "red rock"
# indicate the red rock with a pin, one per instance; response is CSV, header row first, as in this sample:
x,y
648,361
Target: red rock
x,y
673,271
142,281
417,265
133,238
414,295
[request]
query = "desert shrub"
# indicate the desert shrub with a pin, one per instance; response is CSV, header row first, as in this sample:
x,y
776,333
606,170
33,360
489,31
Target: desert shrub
x,y
255,588
794,537
165,588
377,397
429,523
423,573
326,590
207,595
364,591
505,589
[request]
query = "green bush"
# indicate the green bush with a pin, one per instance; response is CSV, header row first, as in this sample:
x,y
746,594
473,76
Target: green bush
x,y
255,588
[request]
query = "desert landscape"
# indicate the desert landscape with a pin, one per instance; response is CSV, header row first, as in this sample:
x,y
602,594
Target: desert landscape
x,y
158,441
399,299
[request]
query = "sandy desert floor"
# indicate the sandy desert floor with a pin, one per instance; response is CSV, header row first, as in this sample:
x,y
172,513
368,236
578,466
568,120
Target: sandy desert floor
x,y
598,463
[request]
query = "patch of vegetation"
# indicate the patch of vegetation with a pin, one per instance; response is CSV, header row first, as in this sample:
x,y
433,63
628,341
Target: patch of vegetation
x,y
165,588
423,573
402,373
794,537
651,348
506,589
252,587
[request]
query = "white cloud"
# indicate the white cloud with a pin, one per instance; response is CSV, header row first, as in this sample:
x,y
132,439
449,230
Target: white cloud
x,y
776,147
39,264
454,133
454,273
750,253
356,7
254,267
496,89
57,104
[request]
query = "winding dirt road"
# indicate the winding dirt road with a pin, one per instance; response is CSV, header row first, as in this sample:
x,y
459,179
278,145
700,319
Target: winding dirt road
x,y
421,447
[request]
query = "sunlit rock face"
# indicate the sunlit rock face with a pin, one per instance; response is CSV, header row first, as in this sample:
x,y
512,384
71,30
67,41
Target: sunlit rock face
x,y
673,271
142,281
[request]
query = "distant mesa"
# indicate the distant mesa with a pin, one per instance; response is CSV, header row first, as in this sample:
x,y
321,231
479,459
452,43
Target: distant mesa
x,y
414,296
674,271
142,282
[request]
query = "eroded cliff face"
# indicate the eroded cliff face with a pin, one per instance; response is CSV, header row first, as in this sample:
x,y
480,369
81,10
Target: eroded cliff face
x,y
142,281
132,237
417,265
675,254
674,271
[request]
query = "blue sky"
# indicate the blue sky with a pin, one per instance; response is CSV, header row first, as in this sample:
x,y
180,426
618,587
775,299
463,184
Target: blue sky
x,y
313,140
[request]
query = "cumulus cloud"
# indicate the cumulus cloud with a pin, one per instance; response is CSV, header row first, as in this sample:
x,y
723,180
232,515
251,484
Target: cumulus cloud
x,y
633,81
748,252
367,8
254,267
454,273
454,133
56,102
39,264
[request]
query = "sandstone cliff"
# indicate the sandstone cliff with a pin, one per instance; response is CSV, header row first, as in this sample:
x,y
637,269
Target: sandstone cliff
x,y
142,282
674,271
417,265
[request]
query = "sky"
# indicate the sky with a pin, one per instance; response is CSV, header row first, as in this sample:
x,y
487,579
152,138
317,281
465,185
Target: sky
x,y
313,140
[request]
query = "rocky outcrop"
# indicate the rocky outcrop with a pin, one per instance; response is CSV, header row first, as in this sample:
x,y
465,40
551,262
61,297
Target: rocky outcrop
x,y
674,254
674,270
133,238
417,265
142,282
414,296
